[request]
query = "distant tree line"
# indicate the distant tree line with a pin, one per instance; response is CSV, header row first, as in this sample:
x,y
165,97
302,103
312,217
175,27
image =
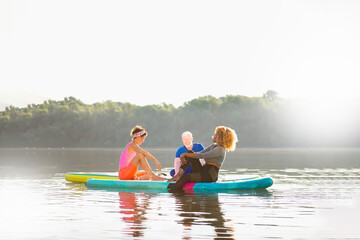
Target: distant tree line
x,y
259,122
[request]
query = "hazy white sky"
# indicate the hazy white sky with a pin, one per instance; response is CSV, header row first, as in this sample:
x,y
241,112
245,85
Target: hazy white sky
x,y
149,52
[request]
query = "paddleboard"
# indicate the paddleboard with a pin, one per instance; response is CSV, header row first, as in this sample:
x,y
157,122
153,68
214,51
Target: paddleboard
x,y
83,177
248,183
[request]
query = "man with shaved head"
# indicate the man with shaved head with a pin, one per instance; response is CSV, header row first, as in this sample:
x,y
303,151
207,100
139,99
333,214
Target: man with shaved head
x,y
187,140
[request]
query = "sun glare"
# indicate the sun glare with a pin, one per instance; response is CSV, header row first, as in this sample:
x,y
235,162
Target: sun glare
x,y
326,119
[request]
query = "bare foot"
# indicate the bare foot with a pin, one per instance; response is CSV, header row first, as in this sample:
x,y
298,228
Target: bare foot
x,y
157,178
143,177
174,179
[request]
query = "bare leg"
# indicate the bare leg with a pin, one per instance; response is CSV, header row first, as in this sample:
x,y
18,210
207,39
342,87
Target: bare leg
x,y
144,177
140,159
177,176
195,164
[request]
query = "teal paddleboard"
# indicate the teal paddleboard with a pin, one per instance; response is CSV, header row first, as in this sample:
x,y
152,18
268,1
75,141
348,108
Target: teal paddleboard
x,y
248,183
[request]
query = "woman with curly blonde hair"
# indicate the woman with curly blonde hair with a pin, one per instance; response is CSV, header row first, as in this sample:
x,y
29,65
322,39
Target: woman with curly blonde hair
x,y
224,139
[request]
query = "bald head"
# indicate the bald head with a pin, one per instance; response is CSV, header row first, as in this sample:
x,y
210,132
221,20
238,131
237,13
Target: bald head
x,y
187,139
186,134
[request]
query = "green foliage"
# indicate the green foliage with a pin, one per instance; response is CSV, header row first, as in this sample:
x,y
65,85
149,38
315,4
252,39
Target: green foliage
x,y
258,121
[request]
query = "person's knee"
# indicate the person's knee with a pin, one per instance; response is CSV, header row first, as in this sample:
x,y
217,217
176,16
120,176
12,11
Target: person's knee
x,y
138,158
140,155
189,159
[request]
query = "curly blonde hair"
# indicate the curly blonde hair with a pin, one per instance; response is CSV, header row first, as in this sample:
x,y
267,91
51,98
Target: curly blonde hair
x,y
226,137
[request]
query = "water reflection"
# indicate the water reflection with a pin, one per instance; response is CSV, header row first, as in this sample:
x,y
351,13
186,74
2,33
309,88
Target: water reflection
x,y
133,207
75,188
194,210
314,192
202,209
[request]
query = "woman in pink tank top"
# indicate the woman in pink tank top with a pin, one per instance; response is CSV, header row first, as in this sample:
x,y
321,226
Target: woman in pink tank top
x,y
133,156
125,157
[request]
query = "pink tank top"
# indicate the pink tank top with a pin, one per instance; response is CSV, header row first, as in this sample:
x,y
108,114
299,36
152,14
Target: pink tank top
x,y
125,157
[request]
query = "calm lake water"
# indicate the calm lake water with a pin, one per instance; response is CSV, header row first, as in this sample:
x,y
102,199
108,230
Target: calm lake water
x,y
316,194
